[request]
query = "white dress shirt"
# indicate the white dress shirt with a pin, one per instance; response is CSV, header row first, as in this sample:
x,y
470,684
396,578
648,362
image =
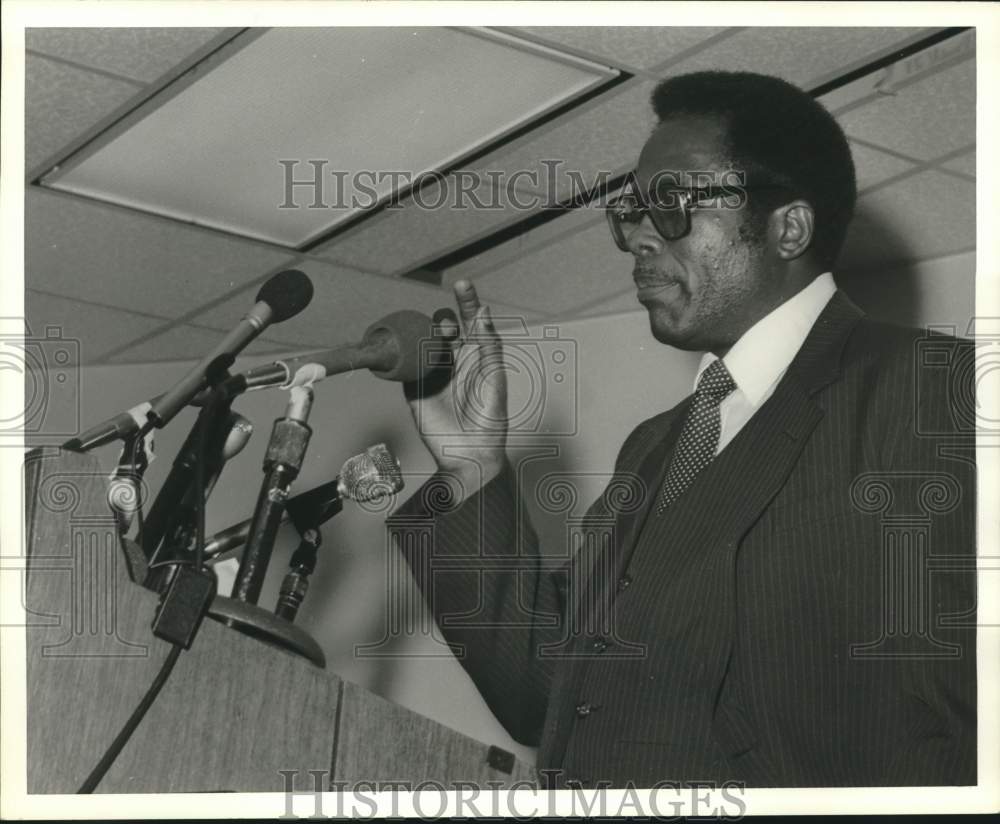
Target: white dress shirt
x,y
759,359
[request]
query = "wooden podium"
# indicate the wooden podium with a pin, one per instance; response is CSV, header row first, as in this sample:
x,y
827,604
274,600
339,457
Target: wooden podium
x,y
237,714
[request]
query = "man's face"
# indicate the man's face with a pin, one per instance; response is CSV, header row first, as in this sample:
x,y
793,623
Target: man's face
x,y
703,290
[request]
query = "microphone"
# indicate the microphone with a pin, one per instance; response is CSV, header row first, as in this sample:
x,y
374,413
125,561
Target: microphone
x,y
369,476
363,478
238,437
121,427
282,297
401,346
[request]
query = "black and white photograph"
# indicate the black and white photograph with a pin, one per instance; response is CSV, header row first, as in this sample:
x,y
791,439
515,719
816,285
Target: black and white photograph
x,y
516,409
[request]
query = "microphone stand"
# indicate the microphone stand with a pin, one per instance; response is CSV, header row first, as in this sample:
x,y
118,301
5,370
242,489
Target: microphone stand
x,y
300,567
170,526
282,462
285,453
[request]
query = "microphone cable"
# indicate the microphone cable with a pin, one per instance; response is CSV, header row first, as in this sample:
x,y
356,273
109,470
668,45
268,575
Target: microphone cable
x,y
153,691
134,720
139,713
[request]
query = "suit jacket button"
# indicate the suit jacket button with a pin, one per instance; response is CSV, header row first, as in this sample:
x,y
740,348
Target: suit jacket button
x,y
585,709
624,582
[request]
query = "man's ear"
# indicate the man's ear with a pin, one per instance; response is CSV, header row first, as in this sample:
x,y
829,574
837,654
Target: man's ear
x,y
791,229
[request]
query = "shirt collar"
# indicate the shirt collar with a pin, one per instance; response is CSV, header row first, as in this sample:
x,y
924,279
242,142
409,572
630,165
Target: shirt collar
x,y
761,356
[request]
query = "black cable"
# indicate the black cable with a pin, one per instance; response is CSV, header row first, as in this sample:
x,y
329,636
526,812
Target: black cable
x,y
153,691
140,440
215,401
140,711
167,667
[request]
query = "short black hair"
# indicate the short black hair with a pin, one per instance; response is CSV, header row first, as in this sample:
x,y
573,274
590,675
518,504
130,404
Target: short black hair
x,y
779,132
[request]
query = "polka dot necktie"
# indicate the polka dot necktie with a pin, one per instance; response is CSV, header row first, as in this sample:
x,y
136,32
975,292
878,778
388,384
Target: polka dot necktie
x,y
700,437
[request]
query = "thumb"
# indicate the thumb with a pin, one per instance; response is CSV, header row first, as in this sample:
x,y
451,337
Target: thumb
x,y
486,333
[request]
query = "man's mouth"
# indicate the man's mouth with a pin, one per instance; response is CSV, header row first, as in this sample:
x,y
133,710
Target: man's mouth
x,y
649,285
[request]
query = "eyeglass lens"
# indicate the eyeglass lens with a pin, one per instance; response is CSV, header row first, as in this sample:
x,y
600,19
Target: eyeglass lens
x,y
668,217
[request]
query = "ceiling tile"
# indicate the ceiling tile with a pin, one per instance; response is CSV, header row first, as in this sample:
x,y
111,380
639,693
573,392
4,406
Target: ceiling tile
x,y
804,56
525,243
925,119
186,342
344,304
872,166
61,103
637,46
87,250
440,93
420,229
577,269
572,155
606,136
142,54
922,216
965,163
88,330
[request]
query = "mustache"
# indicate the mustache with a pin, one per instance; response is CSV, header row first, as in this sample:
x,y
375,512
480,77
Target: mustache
x,y
652,275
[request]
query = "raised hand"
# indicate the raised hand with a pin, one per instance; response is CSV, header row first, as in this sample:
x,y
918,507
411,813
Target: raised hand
x,y
463,420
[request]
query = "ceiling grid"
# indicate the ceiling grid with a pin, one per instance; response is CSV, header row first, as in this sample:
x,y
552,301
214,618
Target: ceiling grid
x,y
137,287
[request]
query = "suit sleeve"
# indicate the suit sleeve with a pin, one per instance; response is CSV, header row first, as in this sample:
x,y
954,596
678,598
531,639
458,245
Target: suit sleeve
x,y
480,572
936,445
495,597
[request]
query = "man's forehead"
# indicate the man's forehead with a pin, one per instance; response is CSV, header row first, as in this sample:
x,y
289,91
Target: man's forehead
x,y
681,145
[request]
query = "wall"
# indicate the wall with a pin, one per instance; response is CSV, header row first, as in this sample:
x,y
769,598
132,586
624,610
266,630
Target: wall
x,y
621,377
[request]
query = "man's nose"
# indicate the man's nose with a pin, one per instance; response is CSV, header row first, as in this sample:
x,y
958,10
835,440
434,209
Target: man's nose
x,y
644,240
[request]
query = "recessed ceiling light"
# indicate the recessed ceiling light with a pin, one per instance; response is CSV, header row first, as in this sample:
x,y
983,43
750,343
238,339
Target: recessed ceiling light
x,y
356,113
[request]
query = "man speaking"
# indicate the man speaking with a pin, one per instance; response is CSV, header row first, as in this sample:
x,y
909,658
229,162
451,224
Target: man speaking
x,y
786,596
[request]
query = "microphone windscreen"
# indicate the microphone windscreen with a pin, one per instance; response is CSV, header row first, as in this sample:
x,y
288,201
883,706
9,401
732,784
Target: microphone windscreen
x,y
371,475
287,293
416,346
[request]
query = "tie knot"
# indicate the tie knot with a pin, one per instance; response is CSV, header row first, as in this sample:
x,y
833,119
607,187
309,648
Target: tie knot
x,y
715,381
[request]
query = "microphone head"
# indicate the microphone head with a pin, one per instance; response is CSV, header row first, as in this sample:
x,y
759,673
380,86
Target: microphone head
x,y
418,350
239,435
287,293
371,475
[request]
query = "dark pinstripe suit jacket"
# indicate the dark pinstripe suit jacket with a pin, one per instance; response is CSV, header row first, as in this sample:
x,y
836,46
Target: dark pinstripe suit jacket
x,y
802,616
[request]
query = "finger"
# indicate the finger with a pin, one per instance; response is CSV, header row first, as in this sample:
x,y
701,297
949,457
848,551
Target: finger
x,y
468,302
445,325
485,334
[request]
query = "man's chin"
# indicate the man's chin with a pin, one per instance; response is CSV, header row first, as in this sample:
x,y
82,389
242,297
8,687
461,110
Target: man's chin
x,y
669,332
